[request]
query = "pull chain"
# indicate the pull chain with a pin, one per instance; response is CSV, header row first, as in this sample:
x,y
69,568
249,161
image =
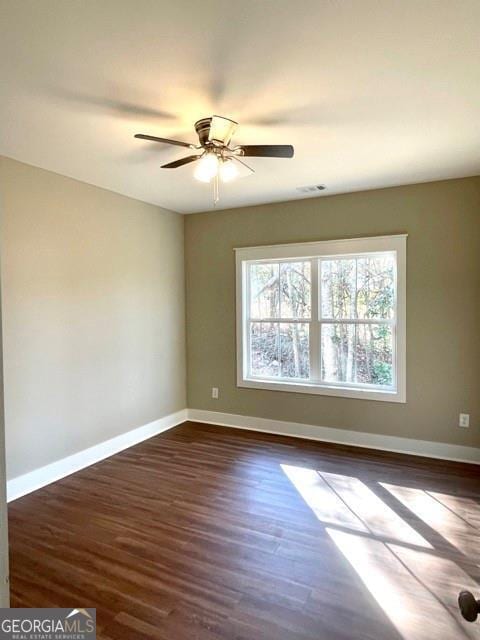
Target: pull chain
x,y
216,191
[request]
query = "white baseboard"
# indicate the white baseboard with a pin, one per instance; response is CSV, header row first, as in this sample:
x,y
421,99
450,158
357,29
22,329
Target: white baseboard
x,y
38,478
443,451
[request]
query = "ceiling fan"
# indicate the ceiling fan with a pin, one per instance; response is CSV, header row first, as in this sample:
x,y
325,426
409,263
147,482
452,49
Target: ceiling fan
x,y
216,158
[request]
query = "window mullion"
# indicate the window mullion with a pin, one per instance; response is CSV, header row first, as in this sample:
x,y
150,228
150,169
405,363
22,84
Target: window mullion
x,y
279,350
355,346
315,324
279,335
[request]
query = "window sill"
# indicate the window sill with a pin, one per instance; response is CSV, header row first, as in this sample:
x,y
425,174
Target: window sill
x,y
323,390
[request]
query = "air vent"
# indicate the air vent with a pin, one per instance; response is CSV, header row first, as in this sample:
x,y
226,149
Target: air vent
x,y
312,189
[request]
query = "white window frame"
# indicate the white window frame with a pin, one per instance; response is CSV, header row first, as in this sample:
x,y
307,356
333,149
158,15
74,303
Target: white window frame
x,y
245,256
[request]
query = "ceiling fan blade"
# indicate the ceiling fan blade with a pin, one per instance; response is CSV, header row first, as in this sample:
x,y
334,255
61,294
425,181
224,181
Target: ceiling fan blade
x,y
178,143
266,150
179,163
221,130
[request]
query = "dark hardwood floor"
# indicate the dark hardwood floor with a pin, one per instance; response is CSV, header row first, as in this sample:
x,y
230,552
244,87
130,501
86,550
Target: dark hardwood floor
x,y
208,533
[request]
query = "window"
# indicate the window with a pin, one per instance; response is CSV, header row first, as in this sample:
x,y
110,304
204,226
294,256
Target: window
x,y
324,317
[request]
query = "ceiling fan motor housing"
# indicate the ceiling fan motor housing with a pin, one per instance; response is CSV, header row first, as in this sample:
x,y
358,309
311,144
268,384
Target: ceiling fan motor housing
x,y
202,127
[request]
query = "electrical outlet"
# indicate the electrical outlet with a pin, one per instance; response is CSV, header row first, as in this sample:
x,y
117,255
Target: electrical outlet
x,y
215,393
464,420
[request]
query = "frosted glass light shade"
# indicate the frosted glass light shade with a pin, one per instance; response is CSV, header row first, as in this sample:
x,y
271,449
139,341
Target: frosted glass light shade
x,y
207,167
228,171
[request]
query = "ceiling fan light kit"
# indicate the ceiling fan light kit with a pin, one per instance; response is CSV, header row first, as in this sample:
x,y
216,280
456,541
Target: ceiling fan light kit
x,y
228,170
217,158
211,165
207,167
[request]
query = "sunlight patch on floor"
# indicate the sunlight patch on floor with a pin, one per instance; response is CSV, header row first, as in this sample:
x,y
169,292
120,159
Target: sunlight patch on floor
x,y
412,605
465,508
348,502
457,531
416,589
325,503
380,519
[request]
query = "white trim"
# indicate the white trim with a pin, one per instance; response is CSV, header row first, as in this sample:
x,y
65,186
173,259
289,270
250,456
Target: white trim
x,y
38,478
318,248
358,393
326,248
440,450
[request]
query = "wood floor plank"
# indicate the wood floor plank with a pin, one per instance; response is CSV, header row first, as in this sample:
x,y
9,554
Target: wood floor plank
x,y
209,533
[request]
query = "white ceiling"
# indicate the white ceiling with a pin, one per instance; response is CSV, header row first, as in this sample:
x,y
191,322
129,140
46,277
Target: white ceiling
x,y
371,93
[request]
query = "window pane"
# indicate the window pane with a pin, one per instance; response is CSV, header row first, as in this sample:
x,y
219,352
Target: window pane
x,y
294,350
374,359
264,290
295,286
338,345
375,287
338,288
264,349
360,353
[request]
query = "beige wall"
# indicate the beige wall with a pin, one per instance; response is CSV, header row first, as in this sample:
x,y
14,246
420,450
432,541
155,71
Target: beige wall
x,y
93,310
93,314
443,306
